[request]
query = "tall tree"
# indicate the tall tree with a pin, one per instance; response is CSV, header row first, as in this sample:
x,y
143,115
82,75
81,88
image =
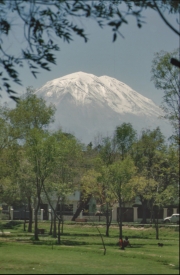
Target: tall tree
x,y
107,154
110,150
106,197
145,154
107,150
9,187
87,163
160,189
30,112
63,180
120,173
8,134
41,153
166,78
125,136
9,190
26,179
30,120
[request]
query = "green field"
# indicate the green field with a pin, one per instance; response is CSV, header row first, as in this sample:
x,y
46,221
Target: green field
x,y
81,251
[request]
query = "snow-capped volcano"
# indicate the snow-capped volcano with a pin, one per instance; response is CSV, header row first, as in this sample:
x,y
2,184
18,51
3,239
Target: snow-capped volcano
x,y
87,105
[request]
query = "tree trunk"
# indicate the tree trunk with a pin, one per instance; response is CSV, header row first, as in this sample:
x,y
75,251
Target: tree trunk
x,y
82,205
108,220
144,208
62,226
30,216
151,219
59,233
51,226
25,219
54,222
102,240
36,225
120,223
157,229
156,222
107,223
36,218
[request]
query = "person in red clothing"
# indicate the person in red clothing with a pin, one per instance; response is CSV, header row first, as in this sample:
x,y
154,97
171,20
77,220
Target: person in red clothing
x,y
126,242
120,242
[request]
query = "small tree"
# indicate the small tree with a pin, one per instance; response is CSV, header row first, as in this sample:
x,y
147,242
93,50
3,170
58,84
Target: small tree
x,y
160,188
9,185
143,188
63,179
120,173
146,153
26,178
107,197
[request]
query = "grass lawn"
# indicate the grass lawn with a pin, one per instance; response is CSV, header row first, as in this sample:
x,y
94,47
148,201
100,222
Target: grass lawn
x,y
81,251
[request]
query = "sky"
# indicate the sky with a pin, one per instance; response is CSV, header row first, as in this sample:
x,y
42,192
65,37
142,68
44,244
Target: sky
x,y
129,59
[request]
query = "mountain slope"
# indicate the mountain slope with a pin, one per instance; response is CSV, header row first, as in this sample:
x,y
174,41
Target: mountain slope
x,y
87,105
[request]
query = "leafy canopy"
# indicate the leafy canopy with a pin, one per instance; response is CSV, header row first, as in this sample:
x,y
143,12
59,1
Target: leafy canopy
x,y
40,22
166,77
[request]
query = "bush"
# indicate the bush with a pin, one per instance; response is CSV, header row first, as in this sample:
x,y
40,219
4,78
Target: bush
x,y
4,216
11,224
1,227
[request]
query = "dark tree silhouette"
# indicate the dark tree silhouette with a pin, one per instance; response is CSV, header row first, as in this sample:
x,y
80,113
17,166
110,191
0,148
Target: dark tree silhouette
x,y
39,23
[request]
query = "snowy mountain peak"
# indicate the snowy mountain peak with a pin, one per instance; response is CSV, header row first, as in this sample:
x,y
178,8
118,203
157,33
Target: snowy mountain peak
x,y
86,88
74,77
87,105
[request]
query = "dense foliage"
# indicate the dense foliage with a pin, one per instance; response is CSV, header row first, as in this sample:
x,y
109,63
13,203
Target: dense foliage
x,y
166,78
38,165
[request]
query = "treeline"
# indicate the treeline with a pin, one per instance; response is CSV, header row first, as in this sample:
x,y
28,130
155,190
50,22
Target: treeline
x,y
36,163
